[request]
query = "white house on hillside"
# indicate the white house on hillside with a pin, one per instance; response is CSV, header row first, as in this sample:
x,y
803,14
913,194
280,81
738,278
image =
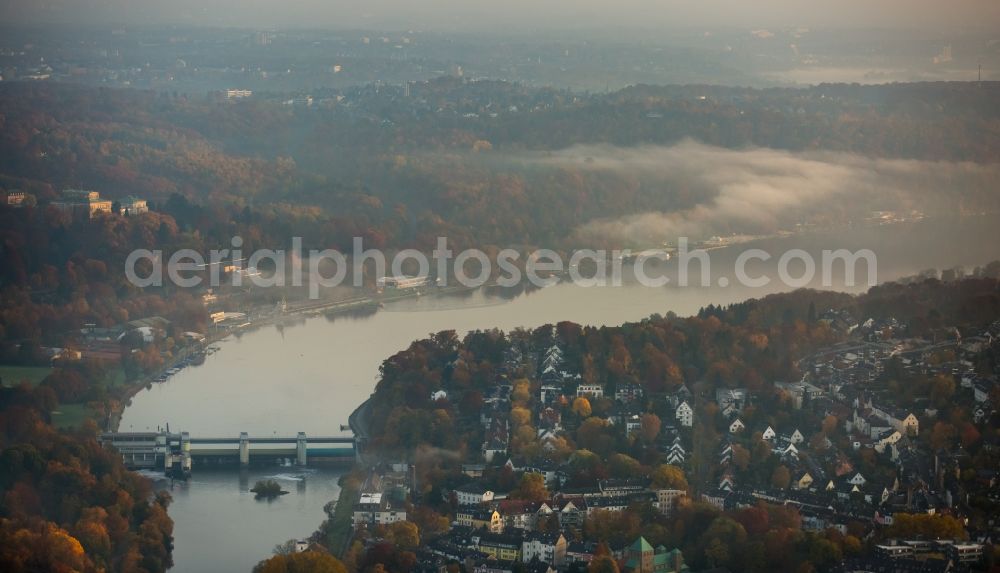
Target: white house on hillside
x,y
592,390
685,415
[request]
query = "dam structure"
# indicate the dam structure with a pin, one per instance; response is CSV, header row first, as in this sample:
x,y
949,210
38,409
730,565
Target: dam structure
x,y
178,453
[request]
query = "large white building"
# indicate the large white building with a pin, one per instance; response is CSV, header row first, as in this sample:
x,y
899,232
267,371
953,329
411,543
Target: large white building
x,y
903,422
666,499
547,548
87,203
375,509
133,206
473,494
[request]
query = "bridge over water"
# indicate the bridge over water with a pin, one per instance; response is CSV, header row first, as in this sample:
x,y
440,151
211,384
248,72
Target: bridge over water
x,y
178,453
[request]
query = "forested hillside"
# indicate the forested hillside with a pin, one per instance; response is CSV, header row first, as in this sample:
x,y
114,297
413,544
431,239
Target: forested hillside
x,y
466,159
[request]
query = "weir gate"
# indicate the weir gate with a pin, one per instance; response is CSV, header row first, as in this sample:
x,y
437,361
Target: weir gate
x,y
179,453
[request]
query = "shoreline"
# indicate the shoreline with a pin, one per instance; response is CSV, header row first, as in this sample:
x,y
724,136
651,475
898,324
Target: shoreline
x,y
114,417
358,418
375,302
115,414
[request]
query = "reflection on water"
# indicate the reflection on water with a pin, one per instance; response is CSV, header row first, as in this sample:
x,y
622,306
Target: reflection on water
x,y
310,376
219,526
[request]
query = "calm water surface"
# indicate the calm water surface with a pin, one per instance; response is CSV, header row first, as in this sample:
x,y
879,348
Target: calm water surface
x,y
219,526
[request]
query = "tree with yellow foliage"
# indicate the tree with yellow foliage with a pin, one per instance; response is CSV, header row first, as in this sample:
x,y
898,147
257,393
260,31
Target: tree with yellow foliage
x,y
581,407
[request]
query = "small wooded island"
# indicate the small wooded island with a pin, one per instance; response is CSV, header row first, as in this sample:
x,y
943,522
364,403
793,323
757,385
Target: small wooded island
x,y
267,489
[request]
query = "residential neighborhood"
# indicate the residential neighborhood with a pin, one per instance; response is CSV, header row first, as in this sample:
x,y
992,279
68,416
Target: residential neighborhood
x,y
849,455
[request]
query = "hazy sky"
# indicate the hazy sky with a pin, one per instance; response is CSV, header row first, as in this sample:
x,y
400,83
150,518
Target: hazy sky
x,y
512,15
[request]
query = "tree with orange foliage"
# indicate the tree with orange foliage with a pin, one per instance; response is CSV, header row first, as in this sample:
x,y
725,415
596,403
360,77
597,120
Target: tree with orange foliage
x,y
303,562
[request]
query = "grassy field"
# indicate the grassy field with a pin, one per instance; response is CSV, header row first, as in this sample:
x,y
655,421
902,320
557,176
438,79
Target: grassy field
x,y
12,375
71,415
339,528
115,377
66,415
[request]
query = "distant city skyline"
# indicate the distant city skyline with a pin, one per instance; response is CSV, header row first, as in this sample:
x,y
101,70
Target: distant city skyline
x,y
512,15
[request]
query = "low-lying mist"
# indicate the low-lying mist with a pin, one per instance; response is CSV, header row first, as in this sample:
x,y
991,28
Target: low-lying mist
x,y
765,190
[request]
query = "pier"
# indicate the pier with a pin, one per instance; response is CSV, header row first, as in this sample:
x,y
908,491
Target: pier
x,y
179,453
